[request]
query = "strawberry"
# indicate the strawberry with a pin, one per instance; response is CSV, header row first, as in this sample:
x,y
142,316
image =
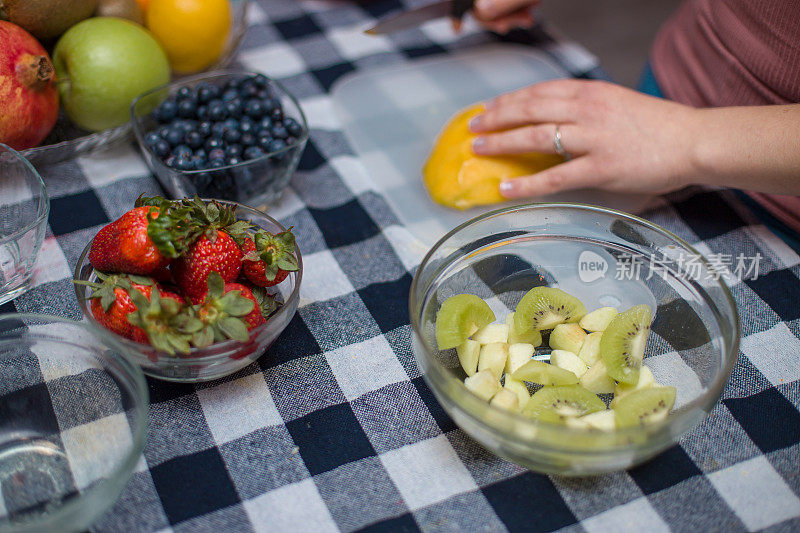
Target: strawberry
x,y
255,317
228,311
124,245
145,239
215,250
156,320
113,302
219,254
269,258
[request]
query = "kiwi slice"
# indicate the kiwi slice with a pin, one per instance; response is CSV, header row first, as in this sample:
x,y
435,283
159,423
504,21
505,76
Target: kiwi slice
x,y
556,404
545,308
544,374
644,406
623,342
459,317
532,336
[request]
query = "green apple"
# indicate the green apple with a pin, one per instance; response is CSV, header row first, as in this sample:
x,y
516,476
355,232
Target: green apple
x,y
102,64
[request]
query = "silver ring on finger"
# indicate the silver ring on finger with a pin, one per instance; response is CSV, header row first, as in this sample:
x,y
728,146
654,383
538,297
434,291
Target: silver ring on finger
x,y
558,146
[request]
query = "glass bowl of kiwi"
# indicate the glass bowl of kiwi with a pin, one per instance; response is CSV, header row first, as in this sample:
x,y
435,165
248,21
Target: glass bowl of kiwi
x,y
572,339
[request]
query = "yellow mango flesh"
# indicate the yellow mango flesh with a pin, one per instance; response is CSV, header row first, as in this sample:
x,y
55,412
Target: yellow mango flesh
x,y
456,177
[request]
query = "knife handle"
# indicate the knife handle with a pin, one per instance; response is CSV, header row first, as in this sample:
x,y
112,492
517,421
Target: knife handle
x,y
460,8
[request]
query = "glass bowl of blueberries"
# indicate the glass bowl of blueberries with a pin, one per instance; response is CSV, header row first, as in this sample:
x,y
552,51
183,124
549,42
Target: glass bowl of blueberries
x,y
230,135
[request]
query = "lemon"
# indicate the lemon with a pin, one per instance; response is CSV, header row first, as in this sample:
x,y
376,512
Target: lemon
x,y
192,32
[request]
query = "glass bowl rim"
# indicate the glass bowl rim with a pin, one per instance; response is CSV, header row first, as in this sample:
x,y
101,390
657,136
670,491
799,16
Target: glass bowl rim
x,y
189,359
137,384
139,134
46,209
469,403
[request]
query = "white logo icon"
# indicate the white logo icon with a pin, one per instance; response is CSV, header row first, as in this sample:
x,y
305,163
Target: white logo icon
x,y
591,266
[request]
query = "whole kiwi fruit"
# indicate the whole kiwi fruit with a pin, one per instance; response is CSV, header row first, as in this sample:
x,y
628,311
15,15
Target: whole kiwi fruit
x,y
46,19
124,9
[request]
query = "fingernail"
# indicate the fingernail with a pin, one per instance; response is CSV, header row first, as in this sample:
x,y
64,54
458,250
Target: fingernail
x,y
475,122
506,188
478,143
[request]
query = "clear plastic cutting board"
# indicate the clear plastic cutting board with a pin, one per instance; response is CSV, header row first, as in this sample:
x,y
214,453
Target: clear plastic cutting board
x,y
392,115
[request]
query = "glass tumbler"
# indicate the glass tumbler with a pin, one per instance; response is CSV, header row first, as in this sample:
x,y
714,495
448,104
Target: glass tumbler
x,y
73,421
24,207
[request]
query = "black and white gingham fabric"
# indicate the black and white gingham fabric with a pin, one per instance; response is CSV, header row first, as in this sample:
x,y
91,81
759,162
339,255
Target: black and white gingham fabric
x,y
335,429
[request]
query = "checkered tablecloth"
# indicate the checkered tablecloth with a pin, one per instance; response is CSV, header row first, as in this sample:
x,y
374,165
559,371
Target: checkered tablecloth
x,y
335,429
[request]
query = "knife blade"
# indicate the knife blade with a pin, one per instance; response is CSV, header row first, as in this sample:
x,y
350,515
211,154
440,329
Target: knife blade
x,y
414,17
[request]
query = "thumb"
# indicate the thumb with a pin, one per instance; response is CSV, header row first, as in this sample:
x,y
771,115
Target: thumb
x,y
492,9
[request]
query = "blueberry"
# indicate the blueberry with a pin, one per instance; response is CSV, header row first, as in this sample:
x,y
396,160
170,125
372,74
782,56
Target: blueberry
x,y
247,139
183,92
214,142
276,114
217,111
201,152
206,92
216,163
218,129
202,112
199,162
204,128
290,140
174,136
187,108
216,153
194,139
166,111
246,125
253,152
184,163
271,103
293,127
279,132
265,123
151,139
263,94
231,124
161,148
230,94
260,81
234,150
263,142
234,108
225,182
181,150
201,180
277,145
232,136
233,161
254,108
170,161
248,89
185,125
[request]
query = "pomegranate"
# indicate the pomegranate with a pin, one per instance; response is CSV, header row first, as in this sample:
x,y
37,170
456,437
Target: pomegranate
x,y
28,96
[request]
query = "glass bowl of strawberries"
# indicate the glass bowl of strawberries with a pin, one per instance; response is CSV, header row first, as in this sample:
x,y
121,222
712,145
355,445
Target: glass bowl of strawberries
x,y
194,289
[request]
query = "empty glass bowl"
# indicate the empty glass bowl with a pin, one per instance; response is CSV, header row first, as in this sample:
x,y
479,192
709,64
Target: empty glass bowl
x,y
73,419
24,206
604,258
253,181
220,359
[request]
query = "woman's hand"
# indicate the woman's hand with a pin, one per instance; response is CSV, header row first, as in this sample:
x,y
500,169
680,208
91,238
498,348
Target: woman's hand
x,y
502,16
618,139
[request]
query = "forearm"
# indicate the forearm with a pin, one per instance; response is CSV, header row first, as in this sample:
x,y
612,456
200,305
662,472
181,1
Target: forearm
x,y
754,148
